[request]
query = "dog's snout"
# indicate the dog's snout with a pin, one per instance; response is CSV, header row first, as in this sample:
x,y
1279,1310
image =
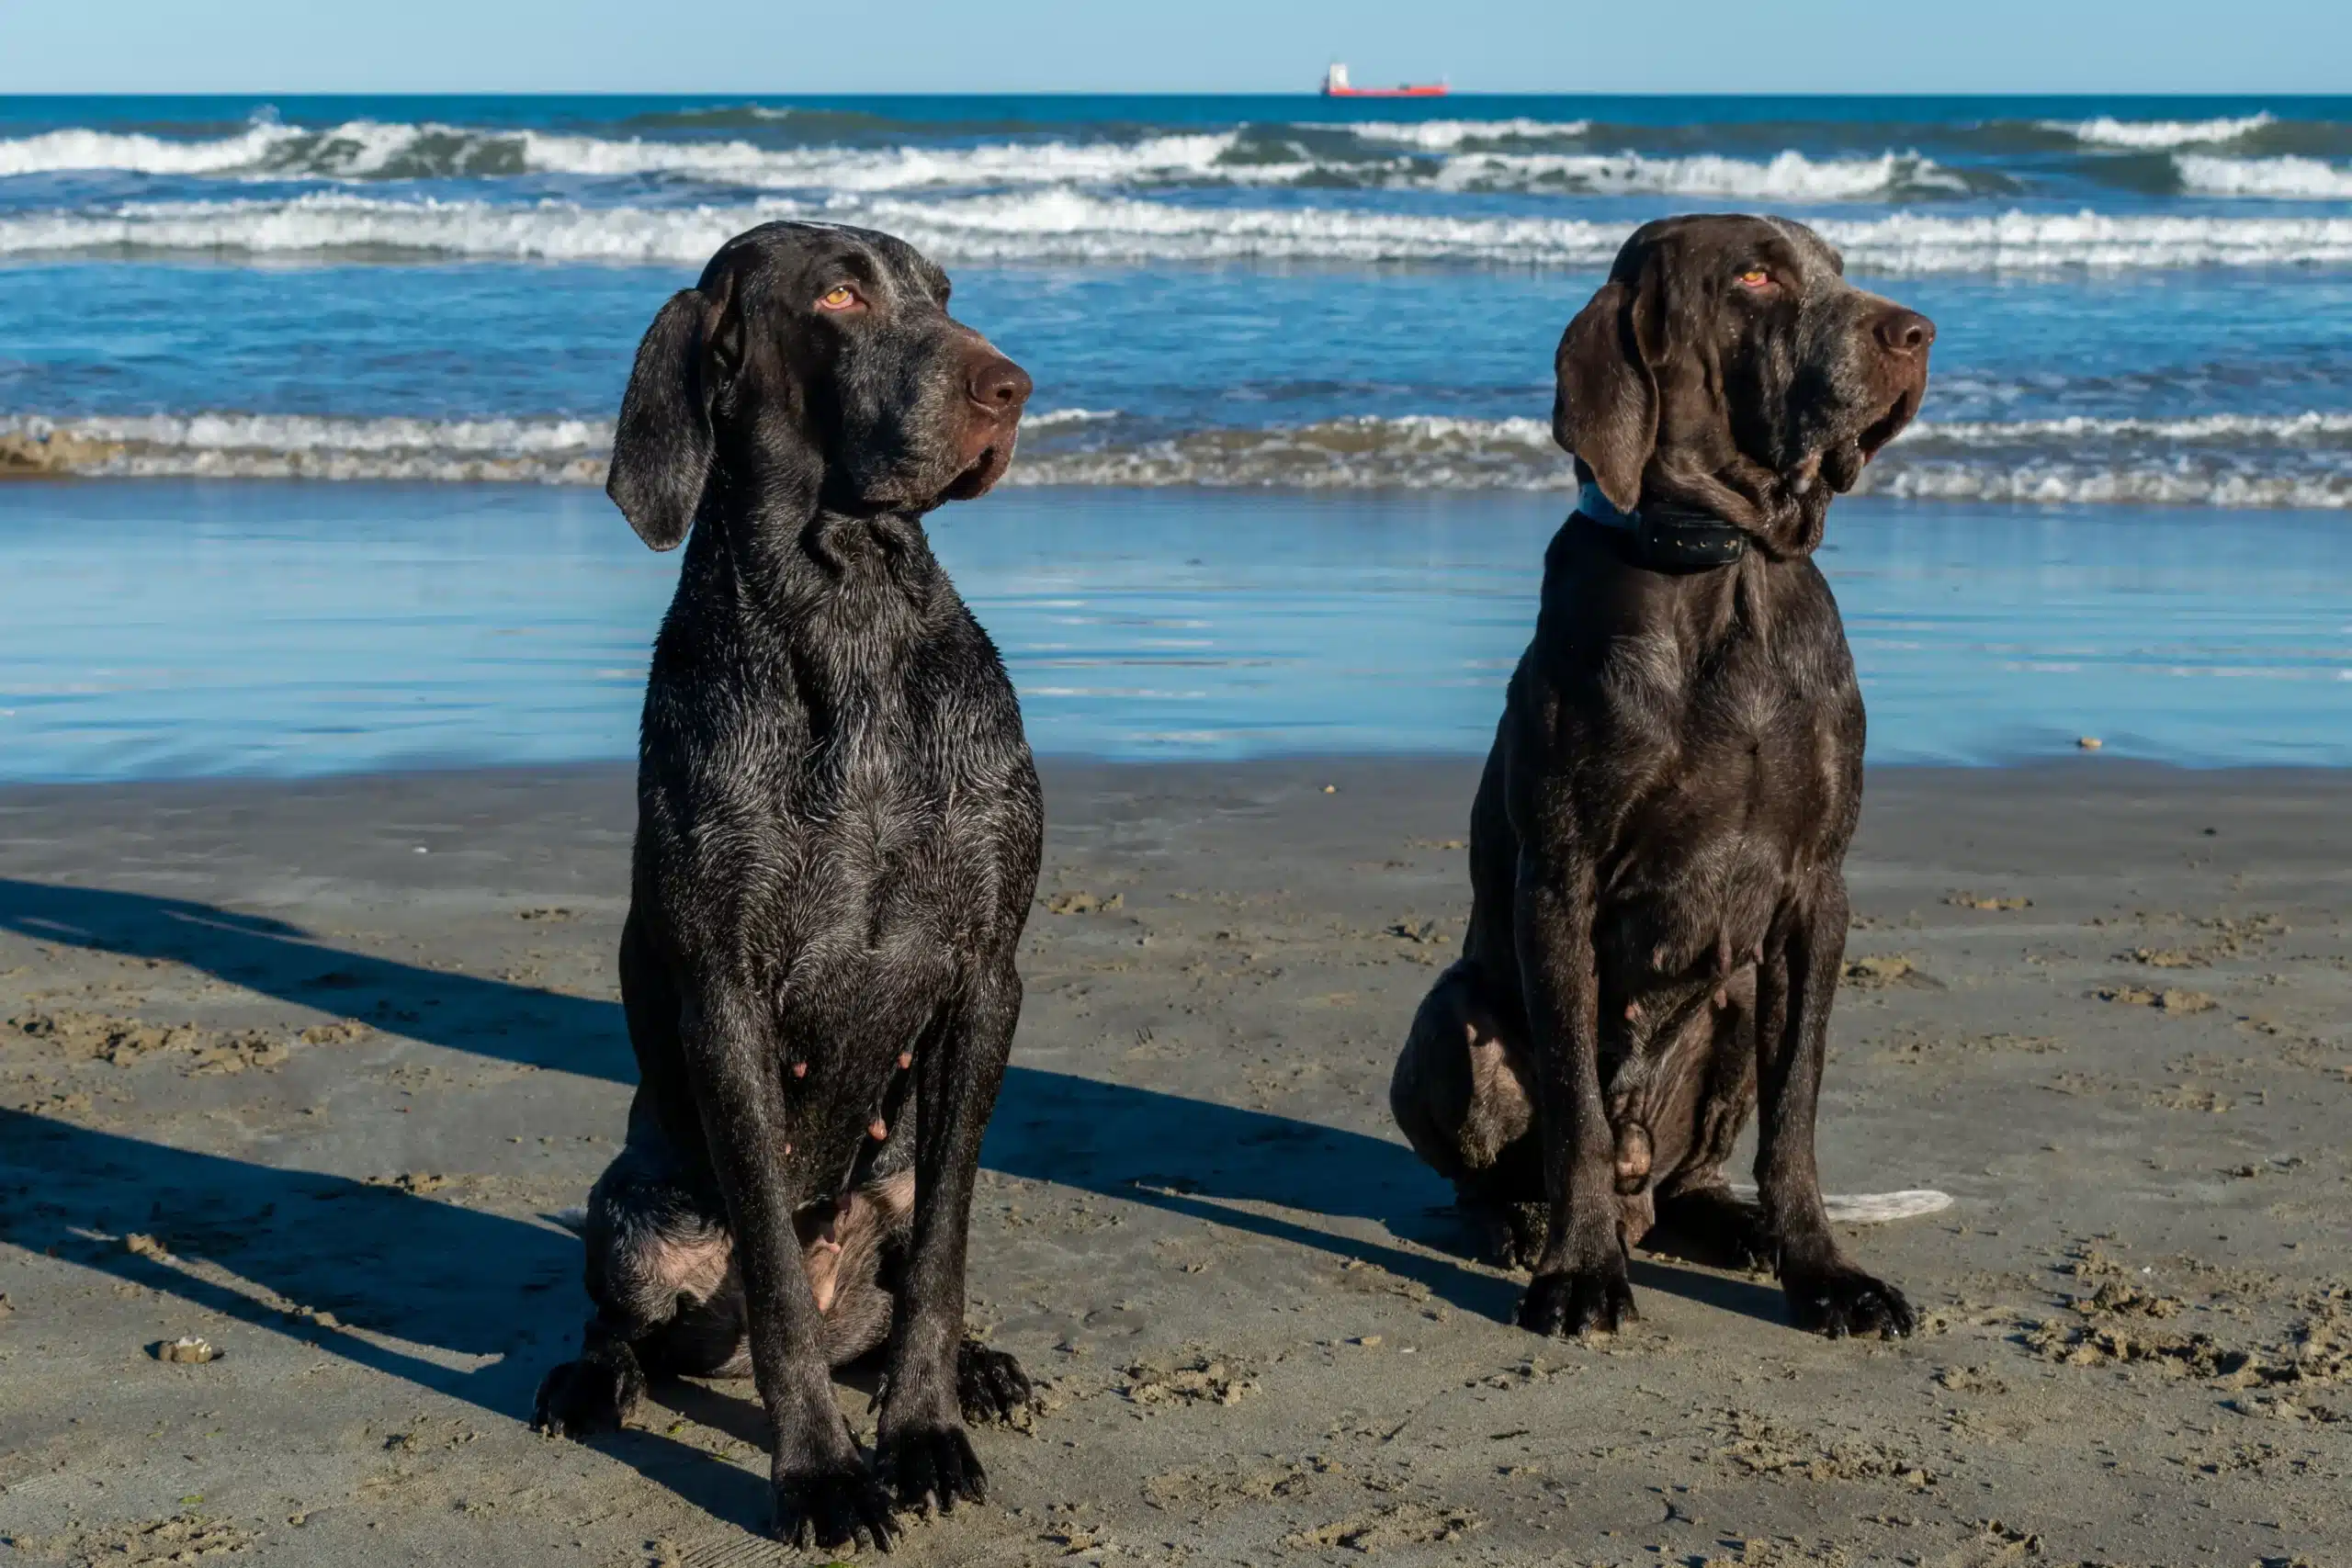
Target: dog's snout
x,y
1901,331
997,384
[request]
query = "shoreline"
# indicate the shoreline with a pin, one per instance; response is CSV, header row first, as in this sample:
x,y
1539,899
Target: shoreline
x,y
2092,770
308,1095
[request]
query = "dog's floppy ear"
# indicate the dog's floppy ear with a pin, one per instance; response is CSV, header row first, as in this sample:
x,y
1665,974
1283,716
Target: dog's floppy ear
x,y
1604,407
662,447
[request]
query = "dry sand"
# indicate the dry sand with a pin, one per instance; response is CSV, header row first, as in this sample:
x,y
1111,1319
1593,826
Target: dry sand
x,y
276,1080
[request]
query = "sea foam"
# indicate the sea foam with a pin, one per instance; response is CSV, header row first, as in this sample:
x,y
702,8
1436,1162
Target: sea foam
x,y
2224,460
1060,224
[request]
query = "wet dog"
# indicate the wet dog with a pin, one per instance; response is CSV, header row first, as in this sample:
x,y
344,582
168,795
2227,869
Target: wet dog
x,y
839,826
1658,901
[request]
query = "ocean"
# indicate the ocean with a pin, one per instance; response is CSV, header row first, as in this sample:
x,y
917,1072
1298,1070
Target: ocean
x,y
1232,307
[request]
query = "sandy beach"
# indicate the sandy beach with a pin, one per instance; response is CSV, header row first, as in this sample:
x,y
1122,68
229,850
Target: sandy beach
x,y
298,1069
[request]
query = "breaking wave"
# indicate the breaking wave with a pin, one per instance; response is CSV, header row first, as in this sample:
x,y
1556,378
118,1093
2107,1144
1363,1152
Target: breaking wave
x,y
2157,135
1456,155
2223,460
2284,179
250,445
1063,225
1787,176
1453,135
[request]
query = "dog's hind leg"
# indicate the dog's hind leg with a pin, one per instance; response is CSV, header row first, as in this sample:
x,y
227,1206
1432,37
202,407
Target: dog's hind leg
x,y
659,1271
1461,1094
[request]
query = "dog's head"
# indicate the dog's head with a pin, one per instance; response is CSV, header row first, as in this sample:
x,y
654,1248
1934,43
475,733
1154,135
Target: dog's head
x,y
816,366
1728,366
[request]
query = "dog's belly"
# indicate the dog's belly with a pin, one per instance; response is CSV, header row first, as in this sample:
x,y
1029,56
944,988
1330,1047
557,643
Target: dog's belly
x,y
1687,910
849,1029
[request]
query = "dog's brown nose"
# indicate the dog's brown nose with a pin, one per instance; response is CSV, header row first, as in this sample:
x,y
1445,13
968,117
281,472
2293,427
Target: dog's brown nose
x,y
997,384
1904,332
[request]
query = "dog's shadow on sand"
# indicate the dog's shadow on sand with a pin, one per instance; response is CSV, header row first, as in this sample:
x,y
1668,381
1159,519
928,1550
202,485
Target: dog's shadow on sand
x,y
483,1303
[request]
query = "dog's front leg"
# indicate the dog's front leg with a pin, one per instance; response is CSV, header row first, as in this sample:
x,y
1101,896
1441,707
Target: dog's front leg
x,y
920,1443
1579,1285
1795,984
821,1488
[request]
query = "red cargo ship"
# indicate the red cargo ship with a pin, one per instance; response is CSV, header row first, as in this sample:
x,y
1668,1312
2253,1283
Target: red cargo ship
x,y
1335,86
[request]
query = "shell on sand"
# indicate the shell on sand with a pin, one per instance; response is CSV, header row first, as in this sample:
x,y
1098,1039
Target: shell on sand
x,y
1872,1208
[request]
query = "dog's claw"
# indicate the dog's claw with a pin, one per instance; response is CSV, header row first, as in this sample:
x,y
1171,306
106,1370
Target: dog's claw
x,y
934,1467
582,1398
991,1387
1580,1302
1849,1303
833,1508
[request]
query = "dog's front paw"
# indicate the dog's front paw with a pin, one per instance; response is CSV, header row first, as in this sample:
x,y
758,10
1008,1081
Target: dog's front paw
x,y
1568,1305
1842,1301
991,1387
832,1506
595,1394
935,1466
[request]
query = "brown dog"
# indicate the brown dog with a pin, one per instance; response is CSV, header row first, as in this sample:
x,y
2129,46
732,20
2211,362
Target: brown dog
x,y
1659,915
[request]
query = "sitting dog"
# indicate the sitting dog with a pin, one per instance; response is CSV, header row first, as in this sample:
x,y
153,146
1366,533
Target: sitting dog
x,y
839,826
1658,901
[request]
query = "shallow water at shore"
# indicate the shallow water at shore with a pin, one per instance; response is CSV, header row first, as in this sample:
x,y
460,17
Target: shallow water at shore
x,y
171,628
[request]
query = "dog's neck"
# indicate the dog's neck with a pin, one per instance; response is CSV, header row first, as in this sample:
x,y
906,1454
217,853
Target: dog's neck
x,y
825,581
1695,492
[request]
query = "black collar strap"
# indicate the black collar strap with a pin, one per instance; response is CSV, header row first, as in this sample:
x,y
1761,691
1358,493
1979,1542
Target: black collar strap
x,y
1665,538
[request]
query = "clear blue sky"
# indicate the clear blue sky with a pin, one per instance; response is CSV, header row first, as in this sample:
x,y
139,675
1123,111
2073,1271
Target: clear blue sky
x,y
787,46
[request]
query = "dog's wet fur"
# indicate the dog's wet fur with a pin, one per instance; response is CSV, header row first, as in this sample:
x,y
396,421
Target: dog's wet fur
x,y
1658,901
838,836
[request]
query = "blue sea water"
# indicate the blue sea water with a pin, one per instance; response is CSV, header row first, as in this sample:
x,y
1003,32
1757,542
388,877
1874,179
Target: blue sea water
x,y
2128,486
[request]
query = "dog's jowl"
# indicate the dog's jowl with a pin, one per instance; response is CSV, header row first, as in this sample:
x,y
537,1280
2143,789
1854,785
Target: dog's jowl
x,y
1658,900
838,834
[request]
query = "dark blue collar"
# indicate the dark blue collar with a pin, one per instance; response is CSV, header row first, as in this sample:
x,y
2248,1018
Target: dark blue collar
x,y
1665,538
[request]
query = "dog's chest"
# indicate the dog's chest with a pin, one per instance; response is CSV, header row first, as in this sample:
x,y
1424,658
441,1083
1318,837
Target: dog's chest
x,y
878,888
1737,756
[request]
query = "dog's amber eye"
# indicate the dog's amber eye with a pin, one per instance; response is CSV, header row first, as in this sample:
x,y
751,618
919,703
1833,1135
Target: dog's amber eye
x,y
1755,277
840,297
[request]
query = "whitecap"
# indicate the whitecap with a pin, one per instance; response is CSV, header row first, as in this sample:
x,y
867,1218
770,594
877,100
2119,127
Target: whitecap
x,y
2283,179
2155,135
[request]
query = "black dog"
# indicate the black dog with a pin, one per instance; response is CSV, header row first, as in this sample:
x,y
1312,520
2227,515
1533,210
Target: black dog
x,y
839,826
1657,850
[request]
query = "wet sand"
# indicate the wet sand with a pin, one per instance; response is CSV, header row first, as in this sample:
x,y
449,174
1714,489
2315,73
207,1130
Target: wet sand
x,y
272,1077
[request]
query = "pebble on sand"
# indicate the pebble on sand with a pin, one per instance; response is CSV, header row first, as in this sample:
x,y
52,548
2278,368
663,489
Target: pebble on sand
x,y
2089,743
